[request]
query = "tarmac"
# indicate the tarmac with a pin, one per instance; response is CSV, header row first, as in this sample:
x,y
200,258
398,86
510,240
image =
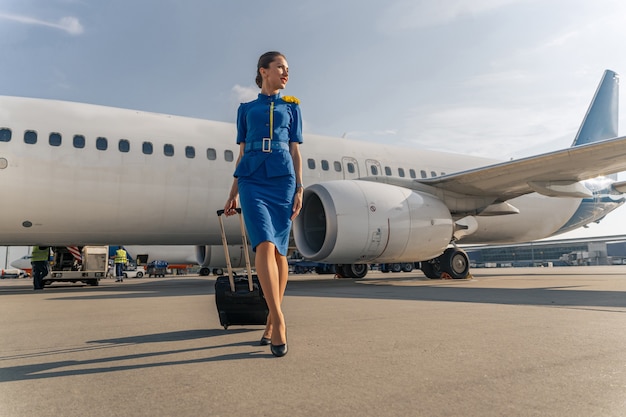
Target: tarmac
x,y
509,342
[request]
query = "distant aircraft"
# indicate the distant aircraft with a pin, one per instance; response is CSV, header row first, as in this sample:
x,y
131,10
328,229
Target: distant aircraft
x,y
84,165
23,263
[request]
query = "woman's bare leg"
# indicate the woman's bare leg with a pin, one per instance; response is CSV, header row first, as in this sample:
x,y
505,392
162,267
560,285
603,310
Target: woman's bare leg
x,y
283,276
269,277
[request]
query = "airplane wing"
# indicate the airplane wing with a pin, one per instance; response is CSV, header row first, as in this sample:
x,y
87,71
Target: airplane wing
x,y
554,174
514,178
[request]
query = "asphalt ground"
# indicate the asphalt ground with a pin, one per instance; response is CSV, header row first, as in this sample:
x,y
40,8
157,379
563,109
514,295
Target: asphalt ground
x,y
509,342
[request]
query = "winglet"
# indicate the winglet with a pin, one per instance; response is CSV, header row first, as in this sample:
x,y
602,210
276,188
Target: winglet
x,y
600,122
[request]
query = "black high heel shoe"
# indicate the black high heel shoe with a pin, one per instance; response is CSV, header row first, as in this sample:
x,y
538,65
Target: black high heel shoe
x,y
278,350
265,341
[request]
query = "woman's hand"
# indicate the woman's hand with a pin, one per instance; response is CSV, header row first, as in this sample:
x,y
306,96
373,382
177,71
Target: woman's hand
x,y
230,206
297,203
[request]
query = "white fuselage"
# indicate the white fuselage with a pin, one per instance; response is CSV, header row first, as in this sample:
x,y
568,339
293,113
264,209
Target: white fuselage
x,y
69,195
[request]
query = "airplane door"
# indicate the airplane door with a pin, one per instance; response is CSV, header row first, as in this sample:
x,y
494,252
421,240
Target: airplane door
x,y
373,167
350,168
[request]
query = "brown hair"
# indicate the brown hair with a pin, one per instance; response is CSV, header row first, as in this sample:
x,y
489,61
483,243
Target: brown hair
x,y
264,62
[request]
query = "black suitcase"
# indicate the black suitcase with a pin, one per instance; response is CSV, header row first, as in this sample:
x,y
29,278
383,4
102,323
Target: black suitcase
x,y
239,299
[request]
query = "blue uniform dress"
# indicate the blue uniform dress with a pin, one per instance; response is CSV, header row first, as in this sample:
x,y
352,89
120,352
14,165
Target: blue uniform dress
x,y
267,180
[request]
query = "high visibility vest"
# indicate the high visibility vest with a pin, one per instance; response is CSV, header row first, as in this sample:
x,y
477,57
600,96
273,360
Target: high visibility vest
x,y
120,256
40,254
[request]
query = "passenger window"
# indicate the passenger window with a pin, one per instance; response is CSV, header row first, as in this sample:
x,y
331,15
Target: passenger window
x,y
79,141
433,174
337,166
401,172
102,144
168,149
147,148
387,171
211,154
324,165
229,156
30,137
54,139
190,152
350,167
5,135
423,174
412,173
123,145
443,173
374,169
311,163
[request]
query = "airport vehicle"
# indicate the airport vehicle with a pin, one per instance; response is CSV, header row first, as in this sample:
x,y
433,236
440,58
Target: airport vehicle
x,y
157,269
89,269
12,273
398,267
137,272
364,203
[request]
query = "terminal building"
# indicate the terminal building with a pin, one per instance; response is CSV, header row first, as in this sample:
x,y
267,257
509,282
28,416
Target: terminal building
x,y
606,250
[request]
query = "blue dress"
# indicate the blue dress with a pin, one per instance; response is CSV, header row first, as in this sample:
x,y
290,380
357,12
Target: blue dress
x,y
266,180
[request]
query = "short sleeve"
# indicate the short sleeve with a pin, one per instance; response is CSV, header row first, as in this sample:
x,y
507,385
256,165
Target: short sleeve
x,y
295,130
242,127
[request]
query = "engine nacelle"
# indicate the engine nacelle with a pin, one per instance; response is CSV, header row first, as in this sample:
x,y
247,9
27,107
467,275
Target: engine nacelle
x,y
353,221
213,256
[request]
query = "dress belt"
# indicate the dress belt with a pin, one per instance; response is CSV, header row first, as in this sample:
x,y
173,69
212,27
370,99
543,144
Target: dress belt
x,y
272,145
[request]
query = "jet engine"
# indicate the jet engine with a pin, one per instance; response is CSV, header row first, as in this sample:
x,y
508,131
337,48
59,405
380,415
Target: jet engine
x,y
357,221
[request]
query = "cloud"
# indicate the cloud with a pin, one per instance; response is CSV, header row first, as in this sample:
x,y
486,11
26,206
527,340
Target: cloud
x,y
68,24
244,94
498,132
411,14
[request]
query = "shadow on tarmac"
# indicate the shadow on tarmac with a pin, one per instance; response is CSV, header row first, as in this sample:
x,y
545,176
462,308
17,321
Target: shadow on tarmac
x,y
418,289
46,370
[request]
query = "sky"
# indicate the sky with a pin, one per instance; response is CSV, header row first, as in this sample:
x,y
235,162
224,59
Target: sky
x,y
496,78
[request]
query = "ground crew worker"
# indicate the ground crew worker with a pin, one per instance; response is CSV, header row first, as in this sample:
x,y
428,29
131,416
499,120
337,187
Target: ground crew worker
x,y
120,261
40,256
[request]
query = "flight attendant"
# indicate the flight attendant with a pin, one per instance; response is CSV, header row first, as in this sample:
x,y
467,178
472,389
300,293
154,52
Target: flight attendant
x,y
268,181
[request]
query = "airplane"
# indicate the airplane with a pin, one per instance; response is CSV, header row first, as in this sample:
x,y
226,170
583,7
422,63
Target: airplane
x,y
83,166
23,263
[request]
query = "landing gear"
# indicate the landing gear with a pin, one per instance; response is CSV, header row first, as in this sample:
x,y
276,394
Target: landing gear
x,y
351,270
453,262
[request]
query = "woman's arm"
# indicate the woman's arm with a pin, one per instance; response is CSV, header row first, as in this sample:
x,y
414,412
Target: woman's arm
x,y
294,150
231,203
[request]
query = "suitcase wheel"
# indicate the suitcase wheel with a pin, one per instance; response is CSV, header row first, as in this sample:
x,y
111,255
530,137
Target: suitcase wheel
x,y
223,319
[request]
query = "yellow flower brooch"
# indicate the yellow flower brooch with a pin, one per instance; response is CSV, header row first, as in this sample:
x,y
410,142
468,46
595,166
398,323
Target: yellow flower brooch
x,y
291,99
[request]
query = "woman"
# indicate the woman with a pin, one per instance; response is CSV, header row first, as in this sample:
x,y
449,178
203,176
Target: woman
x,y
268,180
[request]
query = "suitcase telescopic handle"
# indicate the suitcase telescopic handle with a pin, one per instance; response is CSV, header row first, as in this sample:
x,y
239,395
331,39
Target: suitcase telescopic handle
x,y
244,240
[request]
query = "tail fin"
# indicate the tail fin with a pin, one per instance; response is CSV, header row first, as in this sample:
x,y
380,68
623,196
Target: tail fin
x,y
600,122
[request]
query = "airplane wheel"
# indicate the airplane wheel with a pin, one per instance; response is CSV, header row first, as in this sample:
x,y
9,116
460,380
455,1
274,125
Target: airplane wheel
x,y
455,262
339,270
407,267
355,270
432,268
